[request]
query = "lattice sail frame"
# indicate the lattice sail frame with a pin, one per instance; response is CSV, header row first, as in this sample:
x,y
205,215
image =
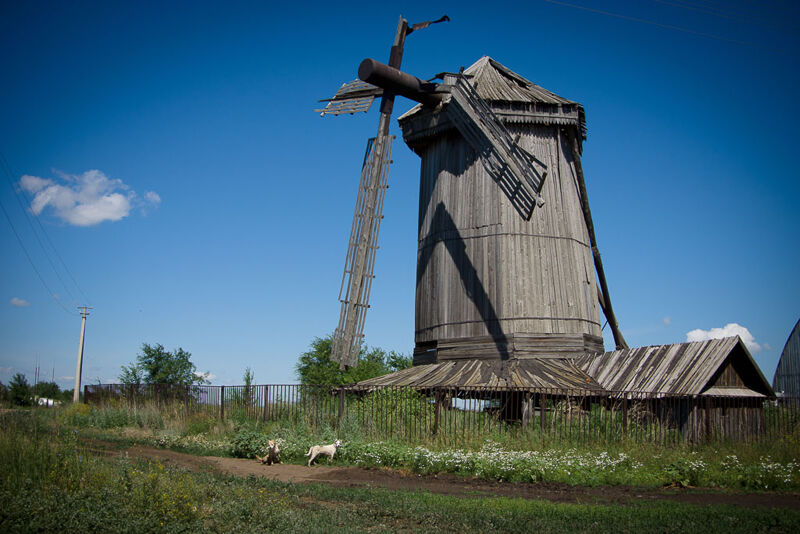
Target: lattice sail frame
x,y
359,267
511,166
352,97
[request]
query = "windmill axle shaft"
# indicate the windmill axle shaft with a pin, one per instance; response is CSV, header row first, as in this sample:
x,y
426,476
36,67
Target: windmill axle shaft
x,y
398,82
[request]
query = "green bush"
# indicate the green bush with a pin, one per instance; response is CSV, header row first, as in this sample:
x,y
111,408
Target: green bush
x,y
247,442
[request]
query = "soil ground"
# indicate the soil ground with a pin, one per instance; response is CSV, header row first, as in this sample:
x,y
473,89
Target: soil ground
x,y
448,484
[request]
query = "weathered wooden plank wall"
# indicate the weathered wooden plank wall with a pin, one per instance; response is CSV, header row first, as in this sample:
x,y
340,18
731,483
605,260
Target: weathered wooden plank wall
x,y
485,274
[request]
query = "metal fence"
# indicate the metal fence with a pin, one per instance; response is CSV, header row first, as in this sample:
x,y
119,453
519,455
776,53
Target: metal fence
x,y
454,415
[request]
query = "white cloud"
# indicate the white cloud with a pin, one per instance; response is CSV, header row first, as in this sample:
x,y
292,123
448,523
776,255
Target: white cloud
x,y
205,376
667,321
83,200
19,303
730,329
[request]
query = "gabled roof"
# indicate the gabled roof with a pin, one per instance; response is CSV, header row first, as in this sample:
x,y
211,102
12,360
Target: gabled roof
x,y
495,82
677,369
512,98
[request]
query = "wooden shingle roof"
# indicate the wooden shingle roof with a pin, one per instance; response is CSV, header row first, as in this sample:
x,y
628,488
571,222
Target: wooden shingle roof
x,y
495,82
676,369
528,373
513,99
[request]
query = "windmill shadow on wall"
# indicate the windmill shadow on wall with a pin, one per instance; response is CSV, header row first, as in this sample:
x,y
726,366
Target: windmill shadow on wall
x,y
451,238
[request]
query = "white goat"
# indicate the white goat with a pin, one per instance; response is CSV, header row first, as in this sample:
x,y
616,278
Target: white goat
x,y
328,450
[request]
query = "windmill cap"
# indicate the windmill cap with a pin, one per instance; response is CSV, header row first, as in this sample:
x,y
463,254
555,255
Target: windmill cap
x,y
513,98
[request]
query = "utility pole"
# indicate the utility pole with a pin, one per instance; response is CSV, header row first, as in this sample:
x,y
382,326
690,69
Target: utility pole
x,y
76,395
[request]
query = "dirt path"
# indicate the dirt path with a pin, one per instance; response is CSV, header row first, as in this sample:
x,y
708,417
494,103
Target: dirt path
x,y
449,484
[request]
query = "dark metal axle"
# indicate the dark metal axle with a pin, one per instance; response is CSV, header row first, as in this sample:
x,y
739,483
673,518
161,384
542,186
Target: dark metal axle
x,y
398,82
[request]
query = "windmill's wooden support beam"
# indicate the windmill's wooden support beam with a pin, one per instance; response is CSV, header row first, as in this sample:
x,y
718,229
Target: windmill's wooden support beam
x,y
605,298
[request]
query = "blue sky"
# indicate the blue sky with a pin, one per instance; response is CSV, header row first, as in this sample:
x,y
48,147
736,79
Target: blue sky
x,y
171,154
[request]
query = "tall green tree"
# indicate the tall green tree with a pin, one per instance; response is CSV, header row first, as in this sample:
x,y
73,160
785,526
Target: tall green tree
x,y
19,391
48,390
155,365
315,367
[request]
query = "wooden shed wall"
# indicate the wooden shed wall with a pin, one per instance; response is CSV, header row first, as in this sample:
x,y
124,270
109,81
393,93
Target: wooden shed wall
x,y
483,271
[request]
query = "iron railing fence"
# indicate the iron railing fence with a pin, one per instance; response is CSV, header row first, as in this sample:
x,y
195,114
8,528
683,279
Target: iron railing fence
x,y
457,415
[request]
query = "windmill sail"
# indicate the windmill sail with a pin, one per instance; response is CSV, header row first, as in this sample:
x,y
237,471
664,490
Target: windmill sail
x,y
360,261
510,166
352,97
359,265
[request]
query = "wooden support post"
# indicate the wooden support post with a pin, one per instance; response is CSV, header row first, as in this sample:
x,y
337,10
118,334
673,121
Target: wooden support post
x,y
709,420
527,409
222,403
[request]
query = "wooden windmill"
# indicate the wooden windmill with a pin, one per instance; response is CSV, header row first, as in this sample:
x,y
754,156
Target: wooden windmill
x,y
506,240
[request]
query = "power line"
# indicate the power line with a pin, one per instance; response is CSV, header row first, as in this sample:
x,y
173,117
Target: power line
x,y
728,14
30,260
670,27
758,7
9,174
35,234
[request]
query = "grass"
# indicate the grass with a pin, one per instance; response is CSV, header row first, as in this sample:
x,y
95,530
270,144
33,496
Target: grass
x,y
767,465
48,482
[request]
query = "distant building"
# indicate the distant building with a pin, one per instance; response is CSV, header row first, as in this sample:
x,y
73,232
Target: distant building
x,y
786,381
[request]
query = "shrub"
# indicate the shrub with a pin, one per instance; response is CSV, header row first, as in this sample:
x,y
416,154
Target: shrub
x,y
19,391
248,442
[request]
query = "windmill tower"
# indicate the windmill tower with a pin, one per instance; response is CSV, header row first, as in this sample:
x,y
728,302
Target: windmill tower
x,y
496,278
507,255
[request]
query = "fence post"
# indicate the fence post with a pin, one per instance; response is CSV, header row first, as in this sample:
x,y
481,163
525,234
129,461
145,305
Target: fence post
x,y
341,406
542,410
86,394
266,407
438,401
624,416
222,403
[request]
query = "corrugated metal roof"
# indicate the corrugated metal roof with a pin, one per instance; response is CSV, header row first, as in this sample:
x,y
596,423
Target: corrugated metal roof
x,y
559,373
678,369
